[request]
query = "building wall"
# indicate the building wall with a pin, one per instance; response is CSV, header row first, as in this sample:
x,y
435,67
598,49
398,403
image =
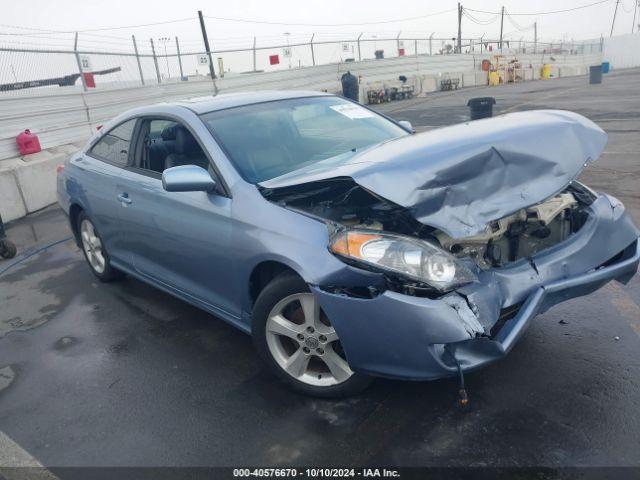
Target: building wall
x,y
622,51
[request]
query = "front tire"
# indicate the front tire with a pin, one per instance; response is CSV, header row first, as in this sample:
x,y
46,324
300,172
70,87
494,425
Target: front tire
x,y
297,342
94,251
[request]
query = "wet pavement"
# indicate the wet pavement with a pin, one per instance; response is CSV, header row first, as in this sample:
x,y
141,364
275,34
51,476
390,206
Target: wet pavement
x,y
122,374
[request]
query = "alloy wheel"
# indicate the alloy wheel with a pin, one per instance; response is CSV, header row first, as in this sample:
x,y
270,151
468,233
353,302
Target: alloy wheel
x,y
92,246
303,342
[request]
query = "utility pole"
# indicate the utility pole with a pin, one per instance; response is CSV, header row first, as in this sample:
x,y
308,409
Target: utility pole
x,y
535,37
459,28
206,44
501,25
635,9
613,22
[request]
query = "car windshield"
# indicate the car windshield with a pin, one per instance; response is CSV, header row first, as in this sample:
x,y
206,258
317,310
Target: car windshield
x,y
270,139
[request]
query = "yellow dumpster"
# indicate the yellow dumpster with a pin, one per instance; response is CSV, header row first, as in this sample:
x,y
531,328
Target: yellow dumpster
x,y
494,79
545,71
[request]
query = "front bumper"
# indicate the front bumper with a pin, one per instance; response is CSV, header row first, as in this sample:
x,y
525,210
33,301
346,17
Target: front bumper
x,y
401,336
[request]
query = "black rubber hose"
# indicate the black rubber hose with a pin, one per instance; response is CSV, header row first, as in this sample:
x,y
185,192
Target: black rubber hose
x,y
28,255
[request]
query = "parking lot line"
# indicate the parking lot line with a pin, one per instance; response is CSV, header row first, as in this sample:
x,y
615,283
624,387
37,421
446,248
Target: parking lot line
x,y
16,463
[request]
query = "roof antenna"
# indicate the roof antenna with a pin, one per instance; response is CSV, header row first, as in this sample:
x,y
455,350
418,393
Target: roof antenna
x,y
463,400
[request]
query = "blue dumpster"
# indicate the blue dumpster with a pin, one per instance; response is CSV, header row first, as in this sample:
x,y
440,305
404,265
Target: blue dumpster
x,y
605,67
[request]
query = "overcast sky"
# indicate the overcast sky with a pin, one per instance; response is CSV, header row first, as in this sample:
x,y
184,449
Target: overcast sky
x,y
327,19
87,14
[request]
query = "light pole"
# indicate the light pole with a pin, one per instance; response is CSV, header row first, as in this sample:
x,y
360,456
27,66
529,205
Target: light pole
x,y
164,41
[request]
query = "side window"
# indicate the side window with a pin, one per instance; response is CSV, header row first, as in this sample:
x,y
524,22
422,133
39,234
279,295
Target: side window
x,y
114,146
168,144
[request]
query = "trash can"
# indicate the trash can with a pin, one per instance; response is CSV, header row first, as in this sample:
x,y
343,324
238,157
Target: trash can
x,y
350,86
481,107
595,74
605,67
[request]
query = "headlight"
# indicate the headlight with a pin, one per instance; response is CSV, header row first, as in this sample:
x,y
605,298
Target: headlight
x,y
406,256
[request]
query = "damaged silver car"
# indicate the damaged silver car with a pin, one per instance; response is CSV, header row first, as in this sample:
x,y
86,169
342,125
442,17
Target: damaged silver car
x,y
348,246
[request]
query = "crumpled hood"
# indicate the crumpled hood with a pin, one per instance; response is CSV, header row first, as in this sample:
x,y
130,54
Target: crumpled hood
x,y
459,178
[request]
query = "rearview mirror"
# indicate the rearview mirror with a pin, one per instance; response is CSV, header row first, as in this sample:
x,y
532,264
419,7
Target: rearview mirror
x,y
187,178
407,125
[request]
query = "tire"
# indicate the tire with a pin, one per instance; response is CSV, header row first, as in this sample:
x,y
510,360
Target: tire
x,y
282,335
7,249
94,251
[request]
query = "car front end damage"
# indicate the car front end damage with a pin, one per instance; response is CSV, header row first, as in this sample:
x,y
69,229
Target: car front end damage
x,y
471,230
400,335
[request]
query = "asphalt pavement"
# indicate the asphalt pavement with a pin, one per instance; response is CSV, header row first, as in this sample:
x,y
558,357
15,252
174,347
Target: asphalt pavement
x,y
122,374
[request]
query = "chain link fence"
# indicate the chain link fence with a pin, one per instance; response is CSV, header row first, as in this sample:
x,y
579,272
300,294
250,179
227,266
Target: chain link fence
x,y
36,64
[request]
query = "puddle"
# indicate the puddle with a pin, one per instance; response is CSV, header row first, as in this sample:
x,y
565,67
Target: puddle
x,y
35,279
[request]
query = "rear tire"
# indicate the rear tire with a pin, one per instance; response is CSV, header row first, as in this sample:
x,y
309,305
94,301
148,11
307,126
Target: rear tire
x,y
94,251
297,342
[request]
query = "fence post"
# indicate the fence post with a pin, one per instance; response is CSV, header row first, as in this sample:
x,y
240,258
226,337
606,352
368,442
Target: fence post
x,y
75,50
179,59
359,55
415,46
430,49
398,43
254,54
155,60
135,49
313,55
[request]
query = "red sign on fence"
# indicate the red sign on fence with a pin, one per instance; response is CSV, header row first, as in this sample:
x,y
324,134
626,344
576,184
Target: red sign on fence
x,y
401,52
274,59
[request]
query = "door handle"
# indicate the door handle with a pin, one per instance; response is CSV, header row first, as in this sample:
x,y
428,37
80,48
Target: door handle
x,y
124,198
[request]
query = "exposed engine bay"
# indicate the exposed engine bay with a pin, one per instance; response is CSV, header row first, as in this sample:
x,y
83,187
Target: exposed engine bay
x,y
522,234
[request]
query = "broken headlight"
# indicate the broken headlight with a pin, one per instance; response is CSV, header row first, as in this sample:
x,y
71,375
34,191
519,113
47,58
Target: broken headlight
x,y
405,256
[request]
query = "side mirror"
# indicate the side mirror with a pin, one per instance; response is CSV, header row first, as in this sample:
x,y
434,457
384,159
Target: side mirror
x,y
407,126
187,178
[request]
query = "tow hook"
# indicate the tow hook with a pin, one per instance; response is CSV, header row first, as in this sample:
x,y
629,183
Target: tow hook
x,y
463,397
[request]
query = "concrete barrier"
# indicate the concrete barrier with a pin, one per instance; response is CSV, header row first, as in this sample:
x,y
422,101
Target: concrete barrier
x,y
28,184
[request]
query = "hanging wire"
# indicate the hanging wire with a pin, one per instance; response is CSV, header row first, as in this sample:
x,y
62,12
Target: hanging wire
x,y
292,24
516,24
477,20
547,12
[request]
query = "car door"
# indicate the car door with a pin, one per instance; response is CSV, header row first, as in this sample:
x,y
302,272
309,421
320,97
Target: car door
x,y
99,170
178,239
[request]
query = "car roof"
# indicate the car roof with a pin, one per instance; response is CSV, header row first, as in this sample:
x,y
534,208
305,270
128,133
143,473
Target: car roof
x,y
229,100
